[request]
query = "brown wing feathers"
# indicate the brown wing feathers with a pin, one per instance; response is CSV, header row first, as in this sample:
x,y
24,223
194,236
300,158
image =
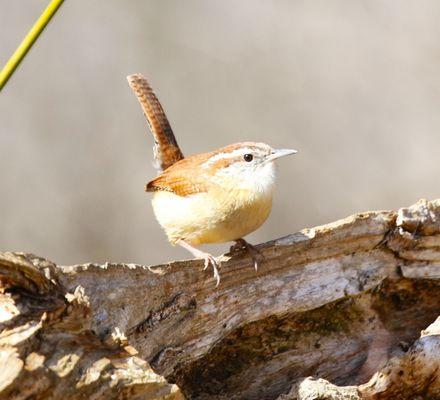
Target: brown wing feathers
x,y
166,149
184,178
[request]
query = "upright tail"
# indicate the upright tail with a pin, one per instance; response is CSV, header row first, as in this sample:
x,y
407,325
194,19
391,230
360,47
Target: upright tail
x,y
166,149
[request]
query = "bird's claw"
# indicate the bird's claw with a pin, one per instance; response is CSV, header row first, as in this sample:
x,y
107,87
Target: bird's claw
x,y
255,254
209,259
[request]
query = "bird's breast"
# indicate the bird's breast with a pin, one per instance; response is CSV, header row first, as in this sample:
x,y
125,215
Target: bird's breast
x,y
243,213
219,215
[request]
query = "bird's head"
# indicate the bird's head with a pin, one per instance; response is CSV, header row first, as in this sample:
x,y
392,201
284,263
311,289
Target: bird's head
x,y
246,165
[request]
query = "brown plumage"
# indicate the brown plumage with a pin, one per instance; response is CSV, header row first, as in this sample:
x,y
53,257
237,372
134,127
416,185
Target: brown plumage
x,y
191,175
180,177
166,149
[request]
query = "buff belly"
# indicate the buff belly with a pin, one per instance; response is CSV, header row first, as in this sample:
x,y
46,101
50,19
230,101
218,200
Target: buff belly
x,y
199,219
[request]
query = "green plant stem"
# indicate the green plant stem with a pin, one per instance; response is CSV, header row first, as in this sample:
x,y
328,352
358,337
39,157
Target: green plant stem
x,y
28,41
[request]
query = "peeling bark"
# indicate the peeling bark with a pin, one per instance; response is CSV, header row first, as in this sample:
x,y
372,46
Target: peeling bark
x,y
344,303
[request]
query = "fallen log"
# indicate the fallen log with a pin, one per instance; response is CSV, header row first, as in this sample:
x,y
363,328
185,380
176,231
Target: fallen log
x,y
343,303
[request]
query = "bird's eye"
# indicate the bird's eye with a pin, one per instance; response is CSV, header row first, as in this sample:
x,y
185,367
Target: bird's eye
x,y
248,157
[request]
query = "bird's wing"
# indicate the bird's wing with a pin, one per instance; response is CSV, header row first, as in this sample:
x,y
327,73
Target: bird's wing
x,y
166,149
184,178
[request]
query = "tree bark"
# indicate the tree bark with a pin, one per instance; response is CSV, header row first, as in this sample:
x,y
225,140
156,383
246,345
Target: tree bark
x,y
341,303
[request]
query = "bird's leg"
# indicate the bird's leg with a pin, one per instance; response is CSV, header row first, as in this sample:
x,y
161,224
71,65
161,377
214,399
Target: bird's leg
x,y
252,250
208,258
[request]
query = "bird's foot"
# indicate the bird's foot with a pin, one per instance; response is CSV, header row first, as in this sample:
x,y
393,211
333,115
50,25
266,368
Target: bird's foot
x,y
241,244
208,259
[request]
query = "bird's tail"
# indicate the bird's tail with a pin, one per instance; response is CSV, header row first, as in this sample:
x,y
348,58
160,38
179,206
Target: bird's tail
x,y
166,149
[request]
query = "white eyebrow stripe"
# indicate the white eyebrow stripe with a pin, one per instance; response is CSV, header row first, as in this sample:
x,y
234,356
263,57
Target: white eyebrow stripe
x,y
222,156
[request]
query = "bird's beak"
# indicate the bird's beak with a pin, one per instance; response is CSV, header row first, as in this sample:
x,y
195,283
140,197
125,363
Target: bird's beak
x,y
277,153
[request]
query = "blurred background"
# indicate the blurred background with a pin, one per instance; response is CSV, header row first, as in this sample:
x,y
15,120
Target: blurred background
x,y
354,85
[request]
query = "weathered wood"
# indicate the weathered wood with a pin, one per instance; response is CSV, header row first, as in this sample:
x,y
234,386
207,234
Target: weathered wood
x,y
333,302
412,375
48,348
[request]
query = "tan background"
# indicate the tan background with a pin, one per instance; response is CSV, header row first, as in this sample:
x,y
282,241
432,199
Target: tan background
x,y
354,85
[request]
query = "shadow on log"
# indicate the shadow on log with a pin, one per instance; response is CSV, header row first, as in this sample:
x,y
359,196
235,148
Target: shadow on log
x,y
341,303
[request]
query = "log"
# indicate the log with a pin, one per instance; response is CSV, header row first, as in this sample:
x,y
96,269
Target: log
x,y
334,312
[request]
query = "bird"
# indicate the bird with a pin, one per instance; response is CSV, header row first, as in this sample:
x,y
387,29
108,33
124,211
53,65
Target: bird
x,y
214,197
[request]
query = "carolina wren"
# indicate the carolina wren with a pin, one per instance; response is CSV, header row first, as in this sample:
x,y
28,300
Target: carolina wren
x,y
213,197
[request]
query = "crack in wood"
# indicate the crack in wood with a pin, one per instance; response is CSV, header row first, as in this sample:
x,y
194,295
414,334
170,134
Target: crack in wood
x,y
181,302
